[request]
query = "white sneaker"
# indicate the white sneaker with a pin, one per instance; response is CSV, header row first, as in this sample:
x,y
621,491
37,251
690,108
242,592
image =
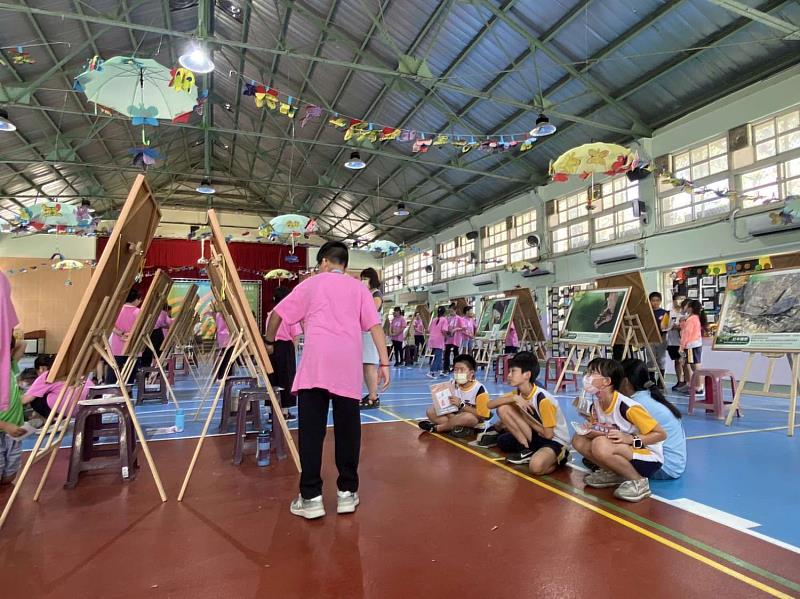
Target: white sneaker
x,y
346,502
308,508
633,490
430,375
602,479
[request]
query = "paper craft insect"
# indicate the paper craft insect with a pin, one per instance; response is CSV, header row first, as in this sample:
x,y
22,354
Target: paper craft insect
x,y
182,80
21,56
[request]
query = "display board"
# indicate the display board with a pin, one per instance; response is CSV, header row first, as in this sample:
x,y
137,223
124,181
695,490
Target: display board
x,y
182,320
208,328
496,317
761,312
595,316
638,303
116,270
526,317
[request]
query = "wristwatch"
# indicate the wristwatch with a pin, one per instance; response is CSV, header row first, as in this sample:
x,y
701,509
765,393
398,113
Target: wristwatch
x,y
637,442
461,405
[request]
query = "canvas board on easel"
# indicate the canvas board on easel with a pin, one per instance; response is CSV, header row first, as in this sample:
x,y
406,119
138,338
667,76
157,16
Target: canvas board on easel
x,y
595,316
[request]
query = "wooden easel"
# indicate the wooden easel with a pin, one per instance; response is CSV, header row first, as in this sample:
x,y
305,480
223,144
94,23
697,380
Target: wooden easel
x,y
526,321
636,339
86,340
249,339
181,328
766,389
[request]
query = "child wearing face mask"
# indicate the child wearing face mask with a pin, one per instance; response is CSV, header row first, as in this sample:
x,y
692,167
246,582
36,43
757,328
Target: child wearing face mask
x,y
533,417
622,437
468,394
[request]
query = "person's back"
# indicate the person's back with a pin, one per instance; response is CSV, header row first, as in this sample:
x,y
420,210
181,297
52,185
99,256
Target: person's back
x,y
675,443
437,330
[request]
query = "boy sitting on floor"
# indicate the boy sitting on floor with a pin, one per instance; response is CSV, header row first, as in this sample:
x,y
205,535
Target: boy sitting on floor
x,y
534,417
470,397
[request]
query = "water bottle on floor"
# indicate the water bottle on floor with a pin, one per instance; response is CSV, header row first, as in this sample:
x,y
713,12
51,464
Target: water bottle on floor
x,y
180,420
263,448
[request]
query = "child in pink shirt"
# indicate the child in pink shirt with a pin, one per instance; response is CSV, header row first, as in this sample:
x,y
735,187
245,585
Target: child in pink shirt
x,y
512,339
119,335
436,334
691,347
284,360
396,326
42,395
334,309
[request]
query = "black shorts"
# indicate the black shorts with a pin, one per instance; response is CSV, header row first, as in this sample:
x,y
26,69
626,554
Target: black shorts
x,y
674,352
646,468
694,355
561,451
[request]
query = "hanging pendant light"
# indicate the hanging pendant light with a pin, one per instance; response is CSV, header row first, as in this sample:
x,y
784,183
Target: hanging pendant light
x,y
197,60
206,187
5,124
355,163
401,210
543,127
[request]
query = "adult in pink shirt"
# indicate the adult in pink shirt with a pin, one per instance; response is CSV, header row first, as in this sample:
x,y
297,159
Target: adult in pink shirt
x,y
223,343
451,338
284,359
468,330
160,330
397,326
437,330
334,309
419,333
119,335
42,395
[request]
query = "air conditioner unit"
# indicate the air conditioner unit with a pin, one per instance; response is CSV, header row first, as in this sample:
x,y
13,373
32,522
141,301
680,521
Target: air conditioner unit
x,y
763,223
485,279
541,268
438,288
413,297
615,253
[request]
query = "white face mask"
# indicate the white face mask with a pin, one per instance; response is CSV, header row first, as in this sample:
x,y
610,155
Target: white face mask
x,y
461,378
588,384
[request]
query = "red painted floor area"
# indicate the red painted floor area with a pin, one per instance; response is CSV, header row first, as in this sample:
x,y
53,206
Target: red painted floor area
x,y
436,521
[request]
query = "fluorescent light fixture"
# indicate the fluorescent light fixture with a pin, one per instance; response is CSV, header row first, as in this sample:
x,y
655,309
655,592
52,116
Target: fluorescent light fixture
x,y
5,124
355,163
197,60
206,187
401,210
543,127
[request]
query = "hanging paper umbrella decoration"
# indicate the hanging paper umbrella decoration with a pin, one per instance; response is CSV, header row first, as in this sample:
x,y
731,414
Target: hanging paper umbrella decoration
x,y
593,158
279,274
54,213
384,247
138,88
293,225
145,156
68,265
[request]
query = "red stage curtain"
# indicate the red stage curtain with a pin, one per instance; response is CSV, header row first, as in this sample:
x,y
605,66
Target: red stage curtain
x,y
250,259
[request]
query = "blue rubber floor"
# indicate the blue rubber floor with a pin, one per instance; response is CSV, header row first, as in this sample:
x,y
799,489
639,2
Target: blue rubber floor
x,y
750,475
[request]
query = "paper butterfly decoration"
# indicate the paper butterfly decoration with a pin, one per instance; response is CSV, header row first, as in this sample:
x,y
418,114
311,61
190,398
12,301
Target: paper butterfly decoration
x,y
182,80
22,56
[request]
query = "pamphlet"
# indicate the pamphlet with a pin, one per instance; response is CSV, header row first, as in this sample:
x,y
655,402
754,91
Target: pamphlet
x,y
441,393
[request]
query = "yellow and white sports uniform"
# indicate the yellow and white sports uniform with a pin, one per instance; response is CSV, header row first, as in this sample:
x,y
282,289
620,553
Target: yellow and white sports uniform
x,y
630,417
547,412
474,394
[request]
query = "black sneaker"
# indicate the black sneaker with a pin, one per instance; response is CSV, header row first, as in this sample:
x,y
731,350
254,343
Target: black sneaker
x,y
460,432
521,458
290,417
701,391
427,426
487,439
677,386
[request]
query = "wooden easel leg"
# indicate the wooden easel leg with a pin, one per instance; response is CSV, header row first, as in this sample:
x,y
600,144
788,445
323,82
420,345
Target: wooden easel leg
x,y
32,457
161,370
768,378
737,398
105,349
237,349
208,385
793,391
570,356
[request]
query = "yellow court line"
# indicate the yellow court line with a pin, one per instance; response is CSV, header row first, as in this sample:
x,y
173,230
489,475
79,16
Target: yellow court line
x,y
750,430
630,525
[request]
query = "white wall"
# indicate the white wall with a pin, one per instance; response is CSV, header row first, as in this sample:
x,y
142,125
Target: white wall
x,y
71,247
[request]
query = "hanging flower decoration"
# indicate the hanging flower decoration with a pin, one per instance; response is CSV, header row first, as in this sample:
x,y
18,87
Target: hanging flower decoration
x,y
144,156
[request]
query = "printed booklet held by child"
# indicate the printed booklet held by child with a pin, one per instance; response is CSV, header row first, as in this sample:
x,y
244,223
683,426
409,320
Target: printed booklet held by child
x,y
441,394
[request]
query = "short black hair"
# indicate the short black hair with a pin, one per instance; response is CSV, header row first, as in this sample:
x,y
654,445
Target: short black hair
x,y
608,368
372,275
280,293
466,359
29,374
133,295
398,309
466,310
654,294
526,362
43,360
334,251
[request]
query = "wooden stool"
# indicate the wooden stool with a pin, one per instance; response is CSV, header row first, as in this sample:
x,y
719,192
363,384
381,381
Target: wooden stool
x,y
559,362
86,454
113,389
248,411
182,367
143,393
712,379
170,367
229,411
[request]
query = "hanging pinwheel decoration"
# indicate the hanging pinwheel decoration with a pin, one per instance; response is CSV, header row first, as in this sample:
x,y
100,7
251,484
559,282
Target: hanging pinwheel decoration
x,y
280,274
291,225
145,156
383,247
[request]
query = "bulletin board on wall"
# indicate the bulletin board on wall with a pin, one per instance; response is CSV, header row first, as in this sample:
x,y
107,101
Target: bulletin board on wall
x,y
45,299
707,282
